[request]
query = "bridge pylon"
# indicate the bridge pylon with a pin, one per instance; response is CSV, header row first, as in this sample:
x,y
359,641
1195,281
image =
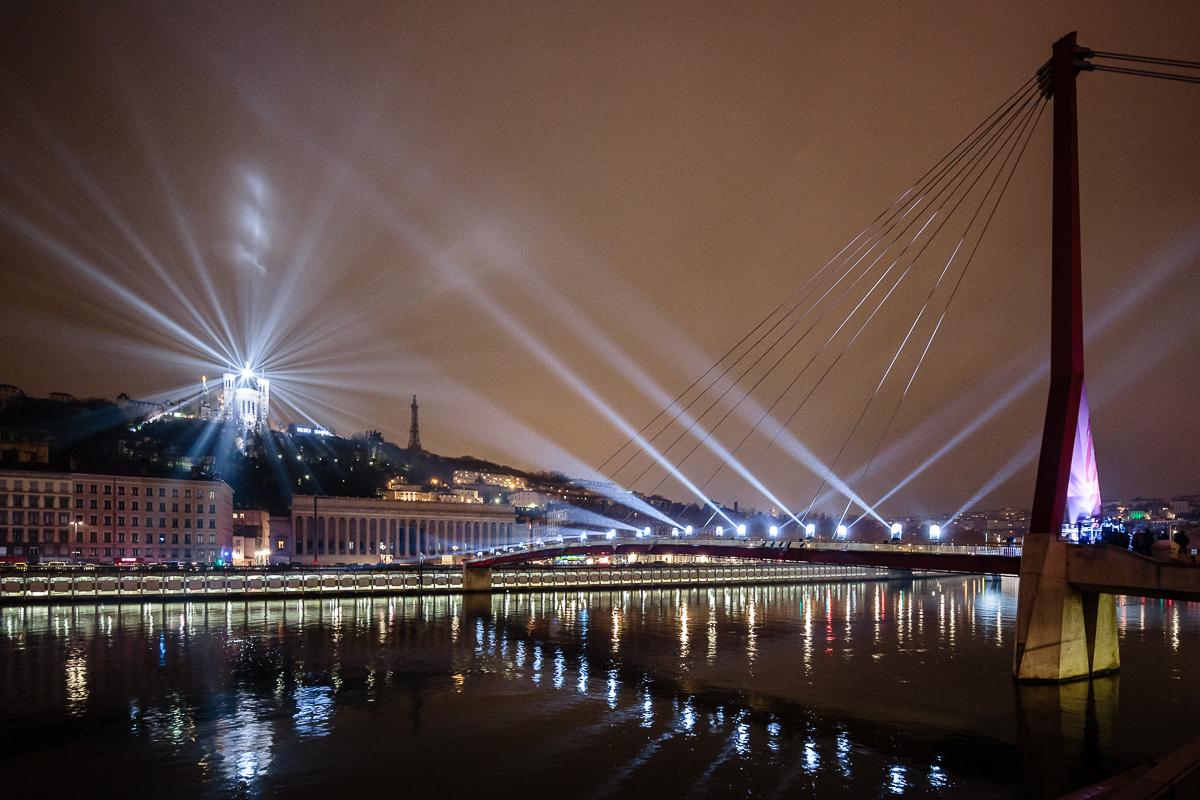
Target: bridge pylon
x,y
1063,633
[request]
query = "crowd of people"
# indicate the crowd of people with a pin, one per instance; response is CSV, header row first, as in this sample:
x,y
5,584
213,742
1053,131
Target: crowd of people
x,y
1142,541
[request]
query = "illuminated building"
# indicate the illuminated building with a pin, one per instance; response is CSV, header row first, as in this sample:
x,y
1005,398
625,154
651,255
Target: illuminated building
x,y
355,530
512,483
106,519
246,399
399,489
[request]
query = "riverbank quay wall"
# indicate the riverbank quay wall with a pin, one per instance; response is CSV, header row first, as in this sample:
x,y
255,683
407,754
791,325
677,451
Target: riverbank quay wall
x,y
96,586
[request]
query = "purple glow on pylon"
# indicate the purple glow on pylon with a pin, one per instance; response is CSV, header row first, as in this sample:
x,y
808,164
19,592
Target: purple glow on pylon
x,y
1083,489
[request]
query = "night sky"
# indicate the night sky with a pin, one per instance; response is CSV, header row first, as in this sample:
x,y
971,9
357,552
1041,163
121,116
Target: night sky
x,y
470,201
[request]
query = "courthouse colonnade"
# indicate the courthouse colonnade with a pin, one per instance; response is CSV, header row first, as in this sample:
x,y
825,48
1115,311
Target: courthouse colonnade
x,y
348,530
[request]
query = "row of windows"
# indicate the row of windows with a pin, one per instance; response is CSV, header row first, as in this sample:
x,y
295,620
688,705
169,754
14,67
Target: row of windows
x,y
34,517
135,491
34,535
134,522
18,485
161,554
32,501
62,487
135,506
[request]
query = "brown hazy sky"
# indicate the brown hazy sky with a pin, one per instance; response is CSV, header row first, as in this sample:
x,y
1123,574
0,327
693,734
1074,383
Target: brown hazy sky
x,y
375,199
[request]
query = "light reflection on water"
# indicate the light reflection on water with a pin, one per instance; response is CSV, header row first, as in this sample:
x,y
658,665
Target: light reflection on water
x,y
870,689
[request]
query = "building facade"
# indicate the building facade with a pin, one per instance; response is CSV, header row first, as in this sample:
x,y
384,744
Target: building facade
x,y
355,530
35,514
136,519
107,519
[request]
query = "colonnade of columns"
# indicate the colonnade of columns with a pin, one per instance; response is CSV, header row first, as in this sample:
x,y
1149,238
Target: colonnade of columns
x,y
372,537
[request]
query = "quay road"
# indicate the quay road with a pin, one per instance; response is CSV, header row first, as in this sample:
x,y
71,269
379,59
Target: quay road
x,y
138,586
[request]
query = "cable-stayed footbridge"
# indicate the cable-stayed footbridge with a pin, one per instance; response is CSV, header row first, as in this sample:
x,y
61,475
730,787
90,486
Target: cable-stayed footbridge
x,y
917,251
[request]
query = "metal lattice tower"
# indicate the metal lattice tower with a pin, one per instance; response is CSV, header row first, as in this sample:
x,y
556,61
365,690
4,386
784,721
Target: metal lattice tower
x,y
414,432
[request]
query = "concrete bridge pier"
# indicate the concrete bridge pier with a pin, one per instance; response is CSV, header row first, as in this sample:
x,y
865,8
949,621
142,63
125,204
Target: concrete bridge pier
x,y
1063,633
477,579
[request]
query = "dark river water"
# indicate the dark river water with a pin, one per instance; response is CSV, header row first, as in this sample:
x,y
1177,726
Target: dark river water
x,y
841,689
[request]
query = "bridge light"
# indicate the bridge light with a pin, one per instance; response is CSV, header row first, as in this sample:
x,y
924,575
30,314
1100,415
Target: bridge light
x,y
841,531
897,529
612,534
741,529
720,531
935,532
810,529
774,531
688,530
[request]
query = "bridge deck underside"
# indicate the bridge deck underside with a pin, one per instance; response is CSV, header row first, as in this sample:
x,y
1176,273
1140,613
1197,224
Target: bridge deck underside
x,y
885,558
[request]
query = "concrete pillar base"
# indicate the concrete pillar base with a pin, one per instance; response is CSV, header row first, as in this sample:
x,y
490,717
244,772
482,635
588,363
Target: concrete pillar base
x,y
477,579
1063,634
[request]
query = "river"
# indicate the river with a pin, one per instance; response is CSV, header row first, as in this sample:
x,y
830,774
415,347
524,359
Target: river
x,y
863,689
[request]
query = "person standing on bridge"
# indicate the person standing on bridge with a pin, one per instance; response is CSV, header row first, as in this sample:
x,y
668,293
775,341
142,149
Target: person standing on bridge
x,y
1183,540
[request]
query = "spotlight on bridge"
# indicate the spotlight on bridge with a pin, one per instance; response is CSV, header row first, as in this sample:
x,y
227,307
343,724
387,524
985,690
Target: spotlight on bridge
x,y
935,532
612,534
897,529
841,531
741,530
720,531
646,531
687,531
774,531
675,533
583,536
810,529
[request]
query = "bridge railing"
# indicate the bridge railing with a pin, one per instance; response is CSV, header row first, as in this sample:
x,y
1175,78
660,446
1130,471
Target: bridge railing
x,y
770,545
